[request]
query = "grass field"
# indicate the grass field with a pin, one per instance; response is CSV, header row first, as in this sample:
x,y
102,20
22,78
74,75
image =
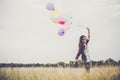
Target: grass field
x,y
96,73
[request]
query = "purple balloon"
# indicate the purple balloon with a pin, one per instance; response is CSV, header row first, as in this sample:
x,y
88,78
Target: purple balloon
x,y
50,6
61,32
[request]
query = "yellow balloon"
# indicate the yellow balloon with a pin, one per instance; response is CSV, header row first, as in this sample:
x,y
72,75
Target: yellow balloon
x,y
54,11
55,21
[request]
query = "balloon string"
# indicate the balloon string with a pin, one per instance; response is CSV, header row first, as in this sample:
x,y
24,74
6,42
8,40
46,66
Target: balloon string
x,y
79,25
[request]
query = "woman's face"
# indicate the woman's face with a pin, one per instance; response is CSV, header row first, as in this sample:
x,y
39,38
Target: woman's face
x,y
84,40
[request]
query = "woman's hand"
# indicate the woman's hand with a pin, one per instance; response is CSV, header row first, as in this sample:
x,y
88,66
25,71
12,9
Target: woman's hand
x,y
87,28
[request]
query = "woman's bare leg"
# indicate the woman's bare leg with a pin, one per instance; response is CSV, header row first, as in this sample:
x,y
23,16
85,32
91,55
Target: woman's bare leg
x,y
87,66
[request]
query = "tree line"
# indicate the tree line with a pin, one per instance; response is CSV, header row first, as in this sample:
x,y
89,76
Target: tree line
x,y
107,62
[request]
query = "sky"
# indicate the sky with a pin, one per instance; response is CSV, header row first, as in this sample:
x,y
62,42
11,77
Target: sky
x,y
27,34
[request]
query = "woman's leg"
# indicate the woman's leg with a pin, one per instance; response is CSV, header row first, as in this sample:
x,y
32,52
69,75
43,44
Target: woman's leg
x,y
76,58
75,63
87,66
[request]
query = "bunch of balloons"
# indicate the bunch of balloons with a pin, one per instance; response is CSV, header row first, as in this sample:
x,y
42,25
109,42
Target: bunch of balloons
x,y
58,18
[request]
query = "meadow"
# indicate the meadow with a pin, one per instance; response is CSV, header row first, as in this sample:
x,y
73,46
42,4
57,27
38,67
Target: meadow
x,y
58,73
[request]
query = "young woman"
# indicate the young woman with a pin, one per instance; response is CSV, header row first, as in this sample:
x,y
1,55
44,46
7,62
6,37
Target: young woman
x,y
83,50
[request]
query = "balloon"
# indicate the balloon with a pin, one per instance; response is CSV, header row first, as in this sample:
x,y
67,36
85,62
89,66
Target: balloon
x,y
62,22
61,18
58,19
54,12
61,32
50,6
54,19
66,27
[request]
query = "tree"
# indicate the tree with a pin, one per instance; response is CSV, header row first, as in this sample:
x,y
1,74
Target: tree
x,y
93,63
110,61
118,62
48,65
71,63
100,63
61,64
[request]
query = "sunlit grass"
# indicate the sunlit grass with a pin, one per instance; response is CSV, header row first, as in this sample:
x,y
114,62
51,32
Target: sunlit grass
x,y
96,73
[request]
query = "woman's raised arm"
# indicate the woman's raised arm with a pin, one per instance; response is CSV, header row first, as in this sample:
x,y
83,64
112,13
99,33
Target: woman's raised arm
x,y
88,33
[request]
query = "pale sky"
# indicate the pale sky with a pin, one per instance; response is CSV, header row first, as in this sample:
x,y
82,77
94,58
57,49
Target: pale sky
x,y
27,34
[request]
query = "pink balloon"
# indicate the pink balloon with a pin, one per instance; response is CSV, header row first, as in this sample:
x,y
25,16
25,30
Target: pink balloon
x,y
66,26
62,22
61,18
58,19
50,6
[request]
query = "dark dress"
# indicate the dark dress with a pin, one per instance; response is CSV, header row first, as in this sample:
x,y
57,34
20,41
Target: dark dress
x,y
81,51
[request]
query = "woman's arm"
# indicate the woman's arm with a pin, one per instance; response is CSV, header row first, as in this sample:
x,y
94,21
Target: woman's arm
x,y
88,33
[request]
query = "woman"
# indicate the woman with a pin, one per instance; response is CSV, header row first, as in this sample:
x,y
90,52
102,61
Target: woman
x,y
83,50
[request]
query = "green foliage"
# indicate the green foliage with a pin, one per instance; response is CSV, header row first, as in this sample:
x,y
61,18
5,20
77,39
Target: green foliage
x,y
107,62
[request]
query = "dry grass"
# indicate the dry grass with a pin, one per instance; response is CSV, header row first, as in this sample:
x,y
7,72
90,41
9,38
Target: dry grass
x,y
97,73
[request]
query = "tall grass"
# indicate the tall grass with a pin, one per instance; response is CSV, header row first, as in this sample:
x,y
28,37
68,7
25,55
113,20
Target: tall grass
x,y
96,73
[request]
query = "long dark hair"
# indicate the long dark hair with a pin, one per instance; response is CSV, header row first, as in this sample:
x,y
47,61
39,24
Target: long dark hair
x,y
80,40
